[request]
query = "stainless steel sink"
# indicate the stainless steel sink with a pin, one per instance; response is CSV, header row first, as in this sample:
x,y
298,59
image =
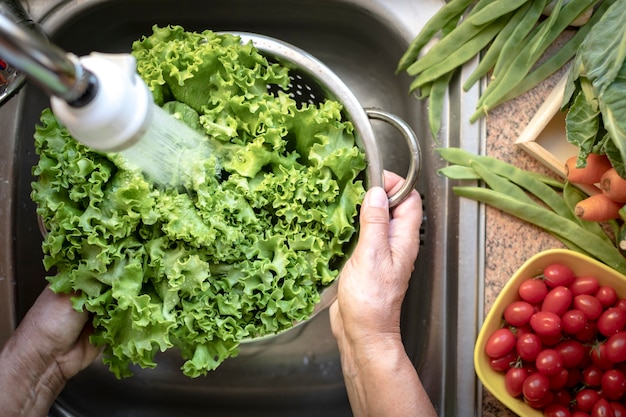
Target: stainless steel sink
x,y
297,373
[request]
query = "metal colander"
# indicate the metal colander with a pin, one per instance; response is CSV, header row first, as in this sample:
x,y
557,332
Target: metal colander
x,y
312,82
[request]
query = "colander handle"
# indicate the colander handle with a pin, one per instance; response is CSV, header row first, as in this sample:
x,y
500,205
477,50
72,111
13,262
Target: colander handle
x,y
415,162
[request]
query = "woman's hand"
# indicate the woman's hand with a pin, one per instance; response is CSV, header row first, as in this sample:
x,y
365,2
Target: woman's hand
x,y
375,279
365,319
50,346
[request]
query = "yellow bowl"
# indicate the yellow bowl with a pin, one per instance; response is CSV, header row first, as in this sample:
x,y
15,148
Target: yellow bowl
x,y
581,265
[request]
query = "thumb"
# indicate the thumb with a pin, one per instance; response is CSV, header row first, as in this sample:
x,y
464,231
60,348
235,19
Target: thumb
x,y
374,220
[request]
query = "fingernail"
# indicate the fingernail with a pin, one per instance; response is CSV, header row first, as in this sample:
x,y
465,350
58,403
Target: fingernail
x,y
377,197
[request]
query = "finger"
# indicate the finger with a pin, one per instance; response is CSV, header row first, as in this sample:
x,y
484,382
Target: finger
x,y
404,226
393,182
374,221
89,351
54,318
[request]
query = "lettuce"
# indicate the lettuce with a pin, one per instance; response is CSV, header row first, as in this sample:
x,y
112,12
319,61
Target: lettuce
x,y
242,250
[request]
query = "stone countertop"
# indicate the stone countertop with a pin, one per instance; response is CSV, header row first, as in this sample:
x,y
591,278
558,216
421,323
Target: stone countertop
x,y
509,242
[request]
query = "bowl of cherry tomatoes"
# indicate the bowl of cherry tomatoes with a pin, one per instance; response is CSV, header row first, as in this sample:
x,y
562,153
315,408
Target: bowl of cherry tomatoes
x,y
554,342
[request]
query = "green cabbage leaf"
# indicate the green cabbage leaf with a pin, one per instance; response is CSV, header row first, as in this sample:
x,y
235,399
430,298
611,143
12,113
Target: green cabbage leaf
x,y
594,93
242,250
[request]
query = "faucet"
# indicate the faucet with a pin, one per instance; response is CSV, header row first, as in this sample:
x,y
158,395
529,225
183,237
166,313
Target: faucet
x,y
25,51
11,79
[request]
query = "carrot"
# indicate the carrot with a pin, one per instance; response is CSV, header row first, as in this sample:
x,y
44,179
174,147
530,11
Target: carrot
x,y
591,173
597,208
613,186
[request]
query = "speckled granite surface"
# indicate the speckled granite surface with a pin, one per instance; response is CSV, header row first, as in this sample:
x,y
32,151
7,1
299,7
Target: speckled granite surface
x,y
509,241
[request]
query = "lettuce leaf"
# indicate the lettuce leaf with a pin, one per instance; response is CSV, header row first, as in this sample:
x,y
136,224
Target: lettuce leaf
x,y
244,250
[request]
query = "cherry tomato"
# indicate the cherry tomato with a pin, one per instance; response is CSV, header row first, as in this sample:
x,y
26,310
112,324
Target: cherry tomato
x,y
602,408
599,357
584,285
518,313
536,386
611,321
616,347
557,301
520,330
592,375
568,334
549,362
556,410
586,398
551,341
589,305
574,377
621,303
573,321
619,410
514,380
588,333
528,346
563,397
606,295
613,384
501,342
533,290
572,352
543,402
503,363
559,379
558,274
545,323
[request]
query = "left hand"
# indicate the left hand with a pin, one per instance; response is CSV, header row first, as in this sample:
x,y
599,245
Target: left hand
x,y
61,332
50,346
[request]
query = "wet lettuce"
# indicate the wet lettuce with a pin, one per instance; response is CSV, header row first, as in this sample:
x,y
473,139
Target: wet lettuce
x,y
242,250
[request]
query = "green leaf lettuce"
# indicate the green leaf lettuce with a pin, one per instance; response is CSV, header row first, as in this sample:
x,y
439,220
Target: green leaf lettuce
x,y
242,251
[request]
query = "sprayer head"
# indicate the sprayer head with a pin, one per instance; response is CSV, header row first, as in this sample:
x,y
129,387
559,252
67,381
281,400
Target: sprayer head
x,y
117,113
121,116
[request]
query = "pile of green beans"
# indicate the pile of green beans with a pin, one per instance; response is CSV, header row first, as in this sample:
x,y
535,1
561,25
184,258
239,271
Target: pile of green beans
x,y
510,35
535,198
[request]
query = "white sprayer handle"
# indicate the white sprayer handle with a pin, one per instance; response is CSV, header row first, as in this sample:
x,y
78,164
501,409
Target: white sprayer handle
x,y
119,113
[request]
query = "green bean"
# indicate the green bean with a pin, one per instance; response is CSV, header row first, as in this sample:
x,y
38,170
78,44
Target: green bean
x,y
484,14
545,219
449,12
459,172
490,57
512,46
480,5
462,157
438,90
446,46
461,55
462,172
500,184
515,175
570,245
552,182
545,28
518,65
572,195
545,34
537,188
560,58
495,10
